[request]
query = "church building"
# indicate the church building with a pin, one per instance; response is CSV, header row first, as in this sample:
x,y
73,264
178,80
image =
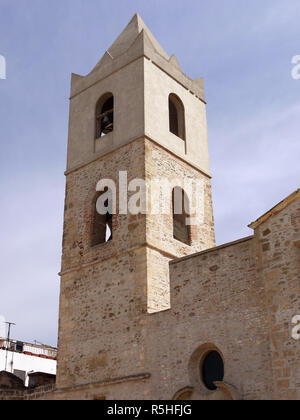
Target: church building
x,y
150,308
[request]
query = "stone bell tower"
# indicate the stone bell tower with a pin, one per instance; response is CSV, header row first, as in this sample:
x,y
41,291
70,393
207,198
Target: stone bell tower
x,y
136,114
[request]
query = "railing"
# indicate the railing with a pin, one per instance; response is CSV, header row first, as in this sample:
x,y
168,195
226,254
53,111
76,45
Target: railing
x,y
29,349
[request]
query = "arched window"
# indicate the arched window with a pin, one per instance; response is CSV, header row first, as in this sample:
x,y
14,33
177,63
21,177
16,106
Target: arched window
x,y
212,370
180,204
101,229
176,116
206,369
104,115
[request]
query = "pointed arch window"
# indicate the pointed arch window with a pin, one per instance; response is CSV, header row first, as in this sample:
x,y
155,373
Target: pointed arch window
x,y
101,229
104,115
181,210
176,116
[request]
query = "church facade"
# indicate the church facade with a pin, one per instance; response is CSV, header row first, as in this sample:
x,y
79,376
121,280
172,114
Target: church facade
x,y
150,308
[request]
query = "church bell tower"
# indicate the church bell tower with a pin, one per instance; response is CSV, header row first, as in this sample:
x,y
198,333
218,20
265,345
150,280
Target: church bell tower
x,y
136,118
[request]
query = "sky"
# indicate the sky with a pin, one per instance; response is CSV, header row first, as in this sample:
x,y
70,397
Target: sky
x,y
243,50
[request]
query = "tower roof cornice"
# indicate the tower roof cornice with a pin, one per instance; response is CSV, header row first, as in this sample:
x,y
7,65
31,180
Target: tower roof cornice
x,y
134,42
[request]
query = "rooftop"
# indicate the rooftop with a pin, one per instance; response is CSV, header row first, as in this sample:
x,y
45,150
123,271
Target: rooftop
x,y
29,349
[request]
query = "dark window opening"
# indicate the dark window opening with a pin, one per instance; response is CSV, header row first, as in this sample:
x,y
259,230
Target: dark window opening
x,y
180,204
105,115
19,346
173,118
101,231
176,116
21,374
212,370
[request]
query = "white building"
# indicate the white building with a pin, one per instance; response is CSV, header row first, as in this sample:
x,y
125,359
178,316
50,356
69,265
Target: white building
x,y
22,358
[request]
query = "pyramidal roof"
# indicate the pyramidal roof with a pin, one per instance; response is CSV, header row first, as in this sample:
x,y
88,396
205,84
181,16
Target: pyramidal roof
x,y
129,35
136,41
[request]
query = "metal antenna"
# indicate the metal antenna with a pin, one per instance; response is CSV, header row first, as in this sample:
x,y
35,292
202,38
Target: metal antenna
x,y
8,341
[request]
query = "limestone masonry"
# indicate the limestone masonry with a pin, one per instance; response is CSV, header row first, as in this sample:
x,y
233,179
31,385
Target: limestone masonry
x,y
150,308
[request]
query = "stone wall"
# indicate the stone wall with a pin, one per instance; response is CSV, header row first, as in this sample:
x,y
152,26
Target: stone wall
x,y
278,256
45,392
217,301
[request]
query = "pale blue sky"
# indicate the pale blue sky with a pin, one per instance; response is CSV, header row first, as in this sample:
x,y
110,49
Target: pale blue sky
x,y
242,49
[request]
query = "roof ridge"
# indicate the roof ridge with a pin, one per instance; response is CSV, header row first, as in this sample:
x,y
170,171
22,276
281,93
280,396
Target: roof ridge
x,y
129,35
276,209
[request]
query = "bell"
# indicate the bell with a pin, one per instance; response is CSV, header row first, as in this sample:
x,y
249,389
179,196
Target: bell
x,y
105,121
106,124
